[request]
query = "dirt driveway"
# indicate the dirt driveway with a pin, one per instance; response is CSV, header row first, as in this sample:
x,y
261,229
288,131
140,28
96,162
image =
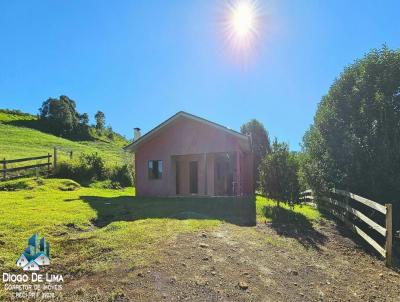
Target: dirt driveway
x,y
262,263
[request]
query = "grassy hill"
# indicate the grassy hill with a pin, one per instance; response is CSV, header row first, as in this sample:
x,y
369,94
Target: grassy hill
x,y
17,141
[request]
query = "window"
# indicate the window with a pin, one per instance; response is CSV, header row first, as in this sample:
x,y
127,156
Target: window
x,y
155,168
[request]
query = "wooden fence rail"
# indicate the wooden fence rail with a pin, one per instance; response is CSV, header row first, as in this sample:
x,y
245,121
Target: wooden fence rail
x,y
56,150
342,210
5,171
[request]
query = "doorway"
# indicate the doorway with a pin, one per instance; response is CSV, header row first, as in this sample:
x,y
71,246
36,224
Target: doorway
x,y
223,174
193,177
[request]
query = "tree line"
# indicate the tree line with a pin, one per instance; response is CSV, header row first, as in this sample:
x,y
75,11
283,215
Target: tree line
x,y
60,117
354,141
352,144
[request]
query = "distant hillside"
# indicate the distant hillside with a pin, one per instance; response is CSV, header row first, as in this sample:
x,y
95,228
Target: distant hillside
x,y
21,119
9,116
18,138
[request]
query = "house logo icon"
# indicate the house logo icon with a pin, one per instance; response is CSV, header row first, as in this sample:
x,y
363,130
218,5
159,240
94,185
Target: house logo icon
x,y
35,255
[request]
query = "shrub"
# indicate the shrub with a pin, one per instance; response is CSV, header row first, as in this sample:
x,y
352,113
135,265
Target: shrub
x,y
123,175
278,174
92,167
89,167
66,170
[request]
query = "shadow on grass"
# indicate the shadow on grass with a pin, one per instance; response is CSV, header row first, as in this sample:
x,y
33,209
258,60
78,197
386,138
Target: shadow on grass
x,y
360,243
239,211
290,224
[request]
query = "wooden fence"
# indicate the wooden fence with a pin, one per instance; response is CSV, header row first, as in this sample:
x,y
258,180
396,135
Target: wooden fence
x,y
14,172
56,150
7,173
343,211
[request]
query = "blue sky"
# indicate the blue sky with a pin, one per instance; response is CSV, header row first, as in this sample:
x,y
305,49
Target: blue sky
x,y
142,61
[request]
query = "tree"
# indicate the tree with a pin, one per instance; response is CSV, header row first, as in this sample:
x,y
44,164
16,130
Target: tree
x,y
354,142
278,174
60,115
84,119
260,143
100,120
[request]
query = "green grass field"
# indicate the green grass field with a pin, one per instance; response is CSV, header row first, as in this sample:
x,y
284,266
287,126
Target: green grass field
x,y
97,219
265,207
91,229
19,142
67,215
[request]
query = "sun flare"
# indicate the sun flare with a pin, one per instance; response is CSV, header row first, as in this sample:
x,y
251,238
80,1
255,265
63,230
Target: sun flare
x,y
242,26
243,18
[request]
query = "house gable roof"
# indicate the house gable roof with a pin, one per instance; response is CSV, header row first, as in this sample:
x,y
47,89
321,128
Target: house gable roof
x,y
23,257
133,146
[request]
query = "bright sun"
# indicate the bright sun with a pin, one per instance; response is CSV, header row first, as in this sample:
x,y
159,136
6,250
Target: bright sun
x,y
243,18
242,27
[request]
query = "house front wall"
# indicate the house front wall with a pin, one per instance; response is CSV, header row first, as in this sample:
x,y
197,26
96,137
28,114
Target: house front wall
x,y
205,173
42,260
184,140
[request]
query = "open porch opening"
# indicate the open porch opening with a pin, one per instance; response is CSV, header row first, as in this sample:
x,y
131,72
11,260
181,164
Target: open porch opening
x,y
208,174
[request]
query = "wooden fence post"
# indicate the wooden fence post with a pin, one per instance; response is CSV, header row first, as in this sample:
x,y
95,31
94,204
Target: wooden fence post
x,y
389,235
71,154
48,162
55,159
4,169
347,213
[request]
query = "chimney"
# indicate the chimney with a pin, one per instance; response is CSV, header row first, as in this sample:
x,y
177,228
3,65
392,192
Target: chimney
x,y
136,134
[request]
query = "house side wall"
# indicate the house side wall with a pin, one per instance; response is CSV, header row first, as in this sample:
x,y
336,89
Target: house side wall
x,y
247,174
182,137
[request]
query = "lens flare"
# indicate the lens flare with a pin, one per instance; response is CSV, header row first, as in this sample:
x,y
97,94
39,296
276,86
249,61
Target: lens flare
x,y
243,19
242,26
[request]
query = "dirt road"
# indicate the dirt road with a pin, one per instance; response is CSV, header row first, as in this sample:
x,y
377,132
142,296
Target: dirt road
x,y
262,263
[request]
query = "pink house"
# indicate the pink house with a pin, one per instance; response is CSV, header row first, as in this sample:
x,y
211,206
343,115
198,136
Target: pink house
x,y
189,155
